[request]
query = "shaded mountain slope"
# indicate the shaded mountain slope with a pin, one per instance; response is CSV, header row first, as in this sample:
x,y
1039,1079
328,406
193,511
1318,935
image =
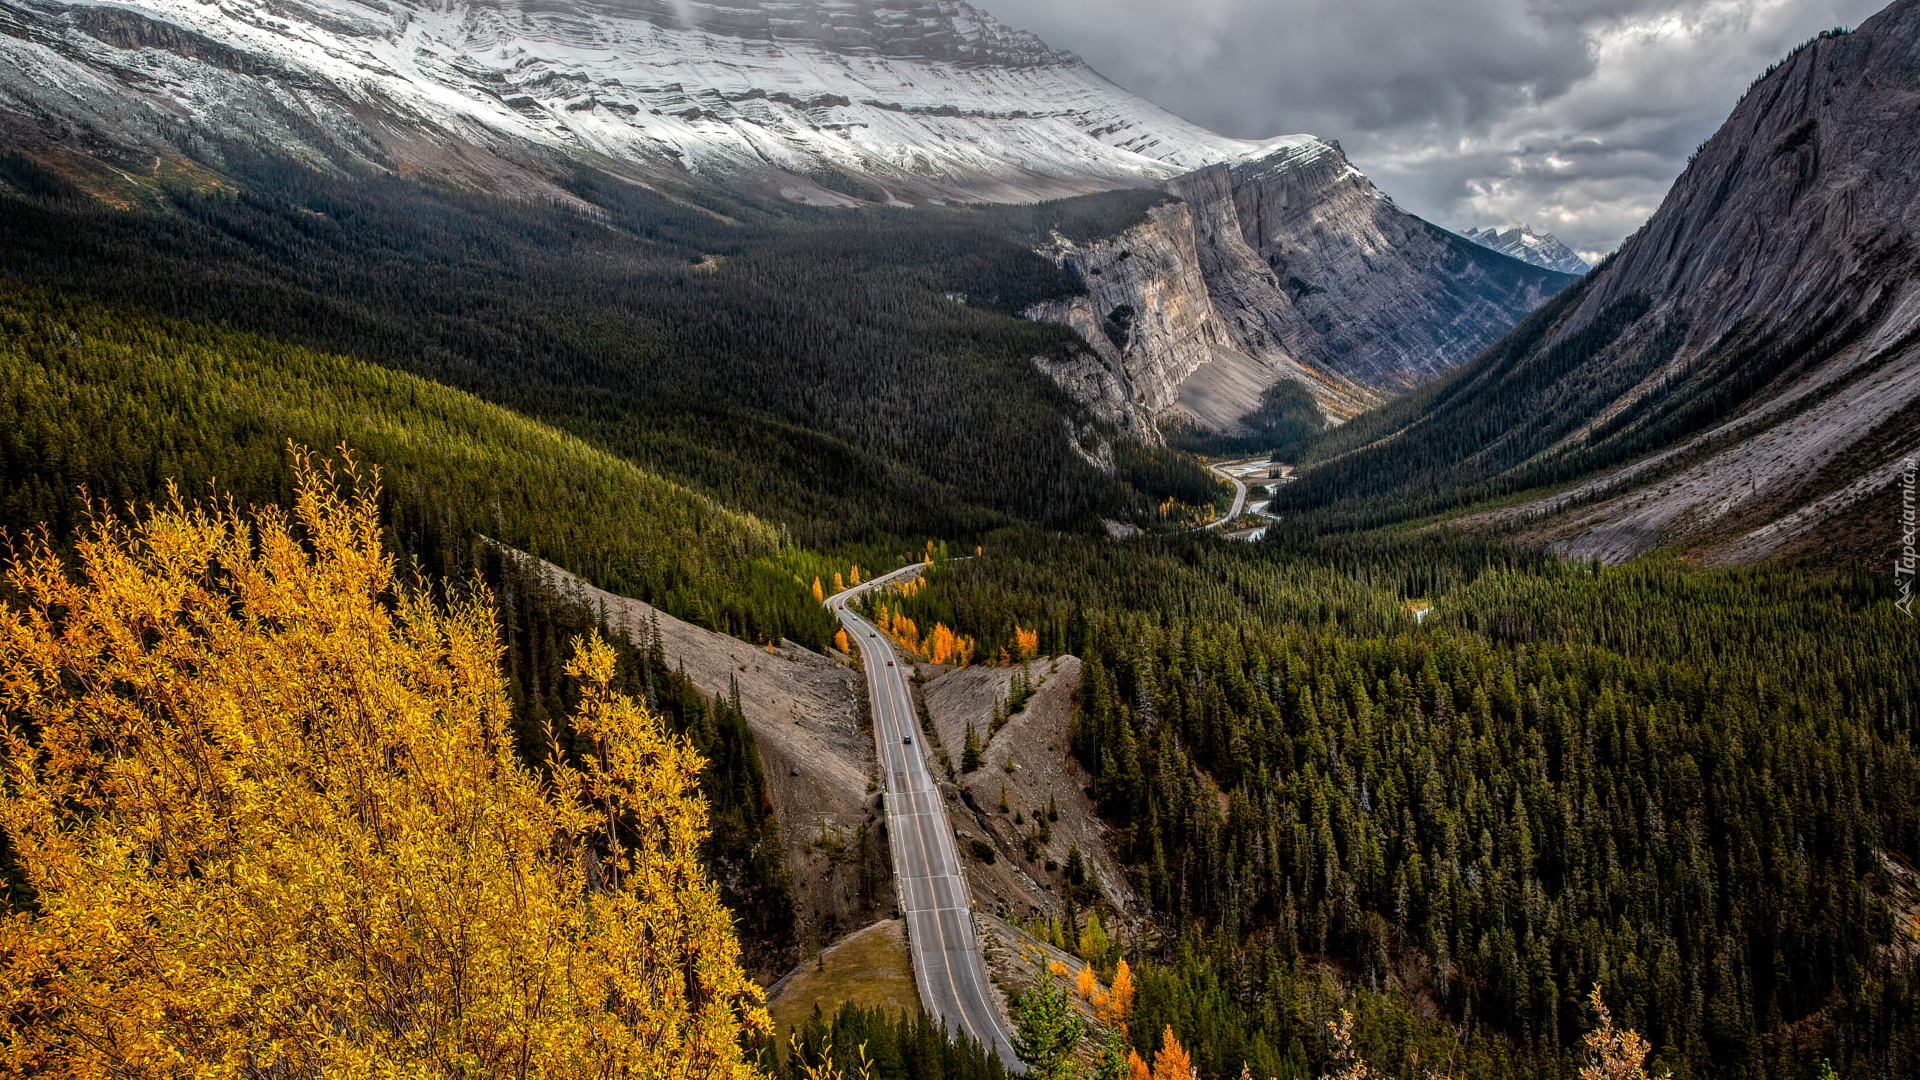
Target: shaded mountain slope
x,y
1310,274
807,366
120,405
1743,371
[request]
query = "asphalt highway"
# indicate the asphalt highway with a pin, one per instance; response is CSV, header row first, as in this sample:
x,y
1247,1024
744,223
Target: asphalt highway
x,y
947,964
1239,496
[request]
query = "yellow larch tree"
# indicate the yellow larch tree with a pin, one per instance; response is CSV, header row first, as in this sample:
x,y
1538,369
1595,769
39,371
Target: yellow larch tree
x,y
1026,643
942,646
1086,985
1120,993
1172,1062
819,593
1613,1053
264,799
1352,1066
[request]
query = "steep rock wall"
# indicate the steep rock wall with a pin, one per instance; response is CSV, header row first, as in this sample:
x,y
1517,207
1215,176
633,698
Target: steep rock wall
x,y
1377,294
1287,265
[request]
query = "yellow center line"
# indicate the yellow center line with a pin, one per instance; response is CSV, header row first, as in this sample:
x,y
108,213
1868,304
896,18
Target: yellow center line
x,y
895,690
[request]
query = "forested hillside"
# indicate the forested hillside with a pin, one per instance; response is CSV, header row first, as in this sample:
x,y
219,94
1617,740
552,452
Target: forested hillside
x,y
849,375
121,407
1698,789
262,818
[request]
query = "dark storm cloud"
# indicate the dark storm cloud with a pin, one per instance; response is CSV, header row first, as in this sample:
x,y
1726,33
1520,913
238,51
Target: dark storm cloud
x,y
1572,115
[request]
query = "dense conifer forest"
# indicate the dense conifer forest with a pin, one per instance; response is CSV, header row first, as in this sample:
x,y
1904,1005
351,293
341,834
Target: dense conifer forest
x,y
1699,789
849,374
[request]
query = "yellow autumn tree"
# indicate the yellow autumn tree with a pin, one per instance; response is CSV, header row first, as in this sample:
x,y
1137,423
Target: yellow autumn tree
x,y
1086,985
819,593
1120,994
264,798
1172,1062
942,645
1026,643
1613,1053
1352,1066
843,642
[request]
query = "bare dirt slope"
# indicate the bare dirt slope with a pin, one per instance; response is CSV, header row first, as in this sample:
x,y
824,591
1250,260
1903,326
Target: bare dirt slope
x,y
1034,740
808,714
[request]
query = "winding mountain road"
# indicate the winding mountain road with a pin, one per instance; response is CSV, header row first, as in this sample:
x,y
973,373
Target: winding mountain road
x,y
947,964
1239,495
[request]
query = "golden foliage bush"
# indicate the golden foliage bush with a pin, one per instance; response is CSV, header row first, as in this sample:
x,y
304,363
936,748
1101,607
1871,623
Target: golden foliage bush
x,y
264,799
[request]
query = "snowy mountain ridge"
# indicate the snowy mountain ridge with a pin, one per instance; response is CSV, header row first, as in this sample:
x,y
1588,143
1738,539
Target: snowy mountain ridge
x,y
922,99
1521,242
1290,264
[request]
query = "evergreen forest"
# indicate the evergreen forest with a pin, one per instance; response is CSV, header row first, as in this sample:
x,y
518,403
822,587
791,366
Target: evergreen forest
x,y
1699,789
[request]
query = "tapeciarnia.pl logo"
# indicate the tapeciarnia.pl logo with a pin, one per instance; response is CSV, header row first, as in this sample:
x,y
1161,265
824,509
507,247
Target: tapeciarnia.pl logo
x,y
1903,566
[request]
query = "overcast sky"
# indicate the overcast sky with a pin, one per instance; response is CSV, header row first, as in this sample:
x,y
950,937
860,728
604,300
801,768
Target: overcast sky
x,y
1573,116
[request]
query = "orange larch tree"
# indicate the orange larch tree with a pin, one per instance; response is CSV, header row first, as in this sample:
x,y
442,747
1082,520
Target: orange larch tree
x,y
1172,1062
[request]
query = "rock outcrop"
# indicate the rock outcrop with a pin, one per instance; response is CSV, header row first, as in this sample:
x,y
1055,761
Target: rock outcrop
x,y
1288,266
1742,379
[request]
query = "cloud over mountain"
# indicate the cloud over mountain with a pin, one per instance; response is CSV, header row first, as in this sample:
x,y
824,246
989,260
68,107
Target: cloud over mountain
x,y
1570,115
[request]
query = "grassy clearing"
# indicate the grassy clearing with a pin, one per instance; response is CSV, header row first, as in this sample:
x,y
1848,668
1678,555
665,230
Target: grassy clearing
x,y
869,967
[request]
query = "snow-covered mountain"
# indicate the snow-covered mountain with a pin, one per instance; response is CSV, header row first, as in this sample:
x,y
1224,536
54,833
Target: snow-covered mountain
x,y
1295,265
905,98
1521,242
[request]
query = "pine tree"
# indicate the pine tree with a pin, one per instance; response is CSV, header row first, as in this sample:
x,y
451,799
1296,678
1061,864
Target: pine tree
x,y
970,750
1046,1029
1111,1063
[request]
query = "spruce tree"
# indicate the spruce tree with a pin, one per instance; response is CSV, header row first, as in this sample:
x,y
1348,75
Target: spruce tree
x,y
1046,1030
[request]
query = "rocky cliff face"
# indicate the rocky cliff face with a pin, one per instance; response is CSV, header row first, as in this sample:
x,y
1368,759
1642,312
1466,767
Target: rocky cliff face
x,y
1376,293
1743,378
1288,266
1152,316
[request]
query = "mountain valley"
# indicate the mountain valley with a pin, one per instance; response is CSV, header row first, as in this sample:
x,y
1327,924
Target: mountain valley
x,y
766,443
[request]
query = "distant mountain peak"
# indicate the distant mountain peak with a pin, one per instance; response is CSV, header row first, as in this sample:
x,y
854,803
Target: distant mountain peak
x,y
1538,248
